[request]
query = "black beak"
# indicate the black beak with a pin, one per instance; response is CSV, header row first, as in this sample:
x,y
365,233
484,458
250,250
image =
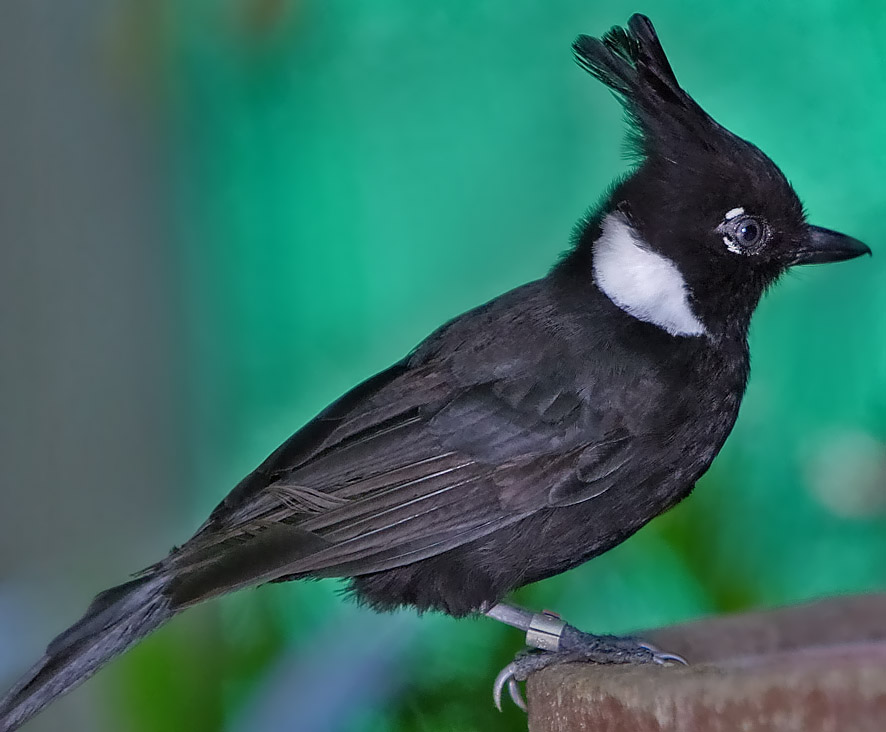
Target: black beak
x,y
824,245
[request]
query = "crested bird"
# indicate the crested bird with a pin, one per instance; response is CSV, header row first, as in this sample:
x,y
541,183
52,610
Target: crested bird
x,y
525,436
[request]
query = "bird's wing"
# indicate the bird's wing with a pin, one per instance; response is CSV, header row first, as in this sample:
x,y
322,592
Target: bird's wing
x,y
422,458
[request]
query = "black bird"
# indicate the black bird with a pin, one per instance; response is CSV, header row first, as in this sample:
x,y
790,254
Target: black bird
x,y
525,436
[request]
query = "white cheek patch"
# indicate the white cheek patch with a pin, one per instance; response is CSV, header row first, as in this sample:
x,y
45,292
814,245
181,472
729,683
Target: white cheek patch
x,y
641,282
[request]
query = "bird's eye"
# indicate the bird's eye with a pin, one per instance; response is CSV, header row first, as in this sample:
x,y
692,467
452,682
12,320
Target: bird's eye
x,y
744,234
749,233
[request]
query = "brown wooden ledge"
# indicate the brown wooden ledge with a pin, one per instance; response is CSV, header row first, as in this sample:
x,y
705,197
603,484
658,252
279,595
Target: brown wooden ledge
x,y
813,668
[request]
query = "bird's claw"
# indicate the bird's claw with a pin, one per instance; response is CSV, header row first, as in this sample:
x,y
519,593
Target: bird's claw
x,y
598,650
663,658
526,663
506,677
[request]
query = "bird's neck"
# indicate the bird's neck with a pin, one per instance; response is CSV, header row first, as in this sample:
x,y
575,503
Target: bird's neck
x,y
613,257
642,282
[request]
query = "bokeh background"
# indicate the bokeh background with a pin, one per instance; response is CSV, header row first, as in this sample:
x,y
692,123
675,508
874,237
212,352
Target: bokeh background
x,y
217,215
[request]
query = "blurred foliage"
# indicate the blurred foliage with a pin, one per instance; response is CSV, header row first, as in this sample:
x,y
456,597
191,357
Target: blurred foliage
x,y
348,175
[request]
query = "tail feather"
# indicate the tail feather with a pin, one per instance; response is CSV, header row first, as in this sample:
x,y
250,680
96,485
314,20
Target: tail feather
x,y
115,620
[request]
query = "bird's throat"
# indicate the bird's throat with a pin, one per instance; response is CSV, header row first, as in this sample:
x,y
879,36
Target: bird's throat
x,y
643,283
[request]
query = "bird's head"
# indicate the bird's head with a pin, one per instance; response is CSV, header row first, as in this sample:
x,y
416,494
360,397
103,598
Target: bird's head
x,y
692,238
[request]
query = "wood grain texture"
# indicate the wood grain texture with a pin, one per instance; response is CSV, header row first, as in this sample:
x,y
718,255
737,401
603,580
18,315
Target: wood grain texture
x,y
813,668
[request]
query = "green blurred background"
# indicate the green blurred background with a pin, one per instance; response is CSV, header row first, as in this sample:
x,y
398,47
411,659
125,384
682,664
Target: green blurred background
x,y
217,216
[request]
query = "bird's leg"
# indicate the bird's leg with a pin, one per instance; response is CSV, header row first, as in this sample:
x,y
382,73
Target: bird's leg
x,y
552,641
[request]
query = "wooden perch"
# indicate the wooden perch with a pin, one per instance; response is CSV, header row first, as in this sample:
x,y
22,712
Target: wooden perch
x,y
813,668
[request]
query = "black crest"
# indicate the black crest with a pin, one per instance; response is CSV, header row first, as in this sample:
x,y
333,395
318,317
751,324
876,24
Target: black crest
x,y
632,63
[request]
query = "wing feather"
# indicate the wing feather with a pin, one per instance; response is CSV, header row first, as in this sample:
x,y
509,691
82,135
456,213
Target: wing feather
x,y
436,452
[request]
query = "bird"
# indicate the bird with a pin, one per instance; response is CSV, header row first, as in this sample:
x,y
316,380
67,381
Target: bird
x,y
526,436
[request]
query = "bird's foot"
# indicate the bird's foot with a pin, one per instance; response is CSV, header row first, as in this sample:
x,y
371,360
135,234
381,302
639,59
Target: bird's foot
x,y
561,643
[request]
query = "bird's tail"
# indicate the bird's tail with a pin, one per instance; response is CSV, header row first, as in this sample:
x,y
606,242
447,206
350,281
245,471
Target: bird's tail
x,y
115,620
